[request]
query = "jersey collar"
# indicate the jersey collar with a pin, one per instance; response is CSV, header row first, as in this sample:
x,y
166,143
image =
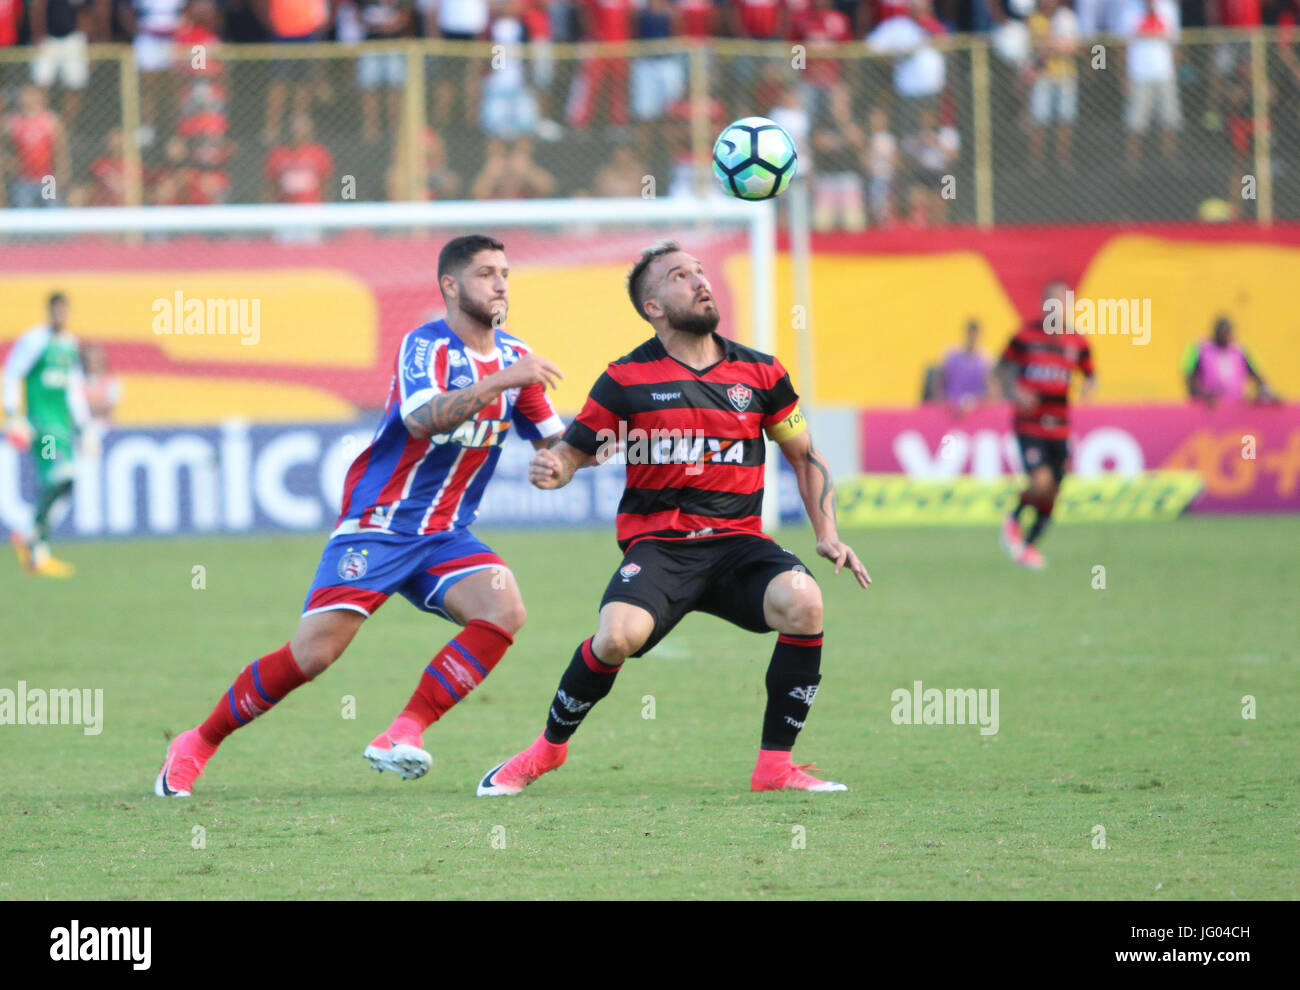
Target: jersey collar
x,y
728,353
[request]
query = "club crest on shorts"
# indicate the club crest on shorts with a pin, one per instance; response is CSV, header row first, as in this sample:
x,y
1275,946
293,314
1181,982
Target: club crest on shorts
x,y
352,565
629,571
740,396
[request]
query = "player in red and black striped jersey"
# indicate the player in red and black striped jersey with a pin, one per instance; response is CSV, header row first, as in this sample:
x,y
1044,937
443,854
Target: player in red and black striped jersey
x,y
689,410
1035,371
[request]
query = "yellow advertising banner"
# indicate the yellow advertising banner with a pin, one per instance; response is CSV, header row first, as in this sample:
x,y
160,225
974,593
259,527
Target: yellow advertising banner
x,y
897,500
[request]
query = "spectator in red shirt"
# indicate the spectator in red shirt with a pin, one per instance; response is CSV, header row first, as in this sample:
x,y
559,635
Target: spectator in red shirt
x,y
699,19
298,171
203,121
197,40
1236,13
40,151
759,20
11,15
108,175
603,20
752,20
818,25
210,182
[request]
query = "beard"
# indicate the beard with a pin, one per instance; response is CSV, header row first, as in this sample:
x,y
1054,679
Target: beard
x,y
482,312
699,324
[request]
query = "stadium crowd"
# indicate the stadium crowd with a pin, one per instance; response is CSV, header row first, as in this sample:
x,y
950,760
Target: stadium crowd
x,y
877,139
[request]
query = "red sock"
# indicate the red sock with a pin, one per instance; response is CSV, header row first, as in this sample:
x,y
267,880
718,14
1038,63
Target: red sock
x,y
458,669
255,691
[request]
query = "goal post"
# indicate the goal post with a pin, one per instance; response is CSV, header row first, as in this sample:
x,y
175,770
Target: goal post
x,y
168,243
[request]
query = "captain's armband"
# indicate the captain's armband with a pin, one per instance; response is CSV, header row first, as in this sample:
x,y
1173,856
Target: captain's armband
x,y
788,428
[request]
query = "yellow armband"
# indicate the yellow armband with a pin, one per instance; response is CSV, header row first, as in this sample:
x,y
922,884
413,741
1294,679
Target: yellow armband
x,y
788,428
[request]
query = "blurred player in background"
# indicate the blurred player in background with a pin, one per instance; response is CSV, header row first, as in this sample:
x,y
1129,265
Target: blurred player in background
x,y
689,521
1035,372
458,386
43,370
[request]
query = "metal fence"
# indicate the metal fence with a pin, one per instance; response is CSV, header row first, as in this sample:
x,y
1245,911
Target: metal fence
x,y
436,119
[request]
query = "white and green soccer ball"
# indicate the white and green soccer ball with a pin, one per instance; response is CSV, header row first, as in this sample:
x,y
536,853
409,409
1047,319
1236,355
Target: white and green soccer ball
x,y
755,158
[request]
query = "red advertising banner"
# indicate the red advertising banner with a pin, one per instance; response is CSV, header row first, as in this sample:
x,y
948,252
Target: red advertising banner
x,y
1247,455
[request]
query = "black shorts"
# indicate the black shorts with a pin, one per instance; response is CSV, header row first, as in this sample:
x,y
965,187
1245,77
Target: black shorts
x,y
1037,451
725,576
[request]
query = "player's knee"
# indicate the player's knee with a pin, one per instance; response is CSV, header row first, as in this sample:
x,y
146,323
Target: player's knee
x,y
804,613
614,645
314,654
508,615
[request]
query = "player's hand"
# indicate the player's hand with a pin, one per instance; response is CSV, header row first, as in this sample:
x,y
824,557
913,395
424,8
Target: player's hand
x,y
545,469
531,369
841,553
1024,399
20,433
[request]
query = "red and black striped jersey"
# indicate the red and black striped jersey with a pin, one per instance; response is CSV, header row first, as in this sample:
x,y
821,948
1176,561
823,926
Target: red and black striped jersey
x,y
693,440
1044,364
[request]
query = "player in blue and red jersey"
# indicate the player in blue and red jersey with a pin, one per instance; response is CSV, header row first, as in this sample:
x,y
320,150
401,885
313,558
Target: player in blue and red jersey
x,y
459,384
1035,372
691,409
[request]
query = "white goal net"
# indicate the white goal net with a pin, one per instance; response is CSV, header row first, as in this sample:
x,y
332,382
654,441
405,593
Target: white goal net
x,y
249,346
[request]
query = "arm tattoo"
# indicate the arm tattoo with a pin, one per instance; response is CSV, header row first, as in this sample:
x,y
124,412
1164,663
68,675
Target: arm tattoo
x,y
826,500
445,412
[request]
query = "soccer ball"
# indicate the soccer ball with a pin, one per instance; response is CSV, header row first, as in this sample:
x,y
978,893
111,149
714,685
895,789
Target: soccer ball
x,y
755,158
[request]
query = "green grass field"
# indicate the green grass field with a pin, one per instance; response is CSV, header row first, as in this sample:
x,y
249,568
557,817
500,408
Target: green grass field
x,y
1119,707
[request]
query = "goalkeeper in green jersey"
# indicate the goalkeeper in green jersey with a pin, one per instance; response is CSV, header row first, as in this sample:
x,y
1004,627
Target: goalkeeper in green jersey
x,y
43,372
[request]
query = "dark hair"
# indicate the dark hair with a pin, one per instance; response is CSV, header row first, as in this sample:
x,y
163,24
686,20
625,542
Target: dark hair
x,y
56,297
636,277
459,252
